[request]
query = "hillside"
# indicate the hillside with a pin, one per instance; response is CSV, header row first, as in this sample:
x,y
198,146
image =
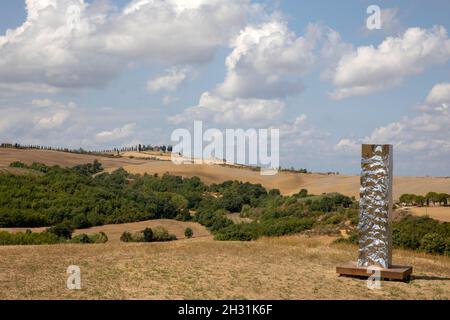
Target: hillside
x,y
288,183
114,231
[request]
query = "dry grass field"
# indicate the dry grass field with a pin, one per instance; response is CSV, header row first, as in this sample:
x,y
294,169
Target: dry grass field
x,y
114,231
438,213
288,183
292,267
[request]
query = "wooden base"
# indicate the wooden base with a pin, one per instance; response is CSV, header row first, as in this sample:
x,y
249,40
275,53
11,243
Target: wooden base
x,y
402,273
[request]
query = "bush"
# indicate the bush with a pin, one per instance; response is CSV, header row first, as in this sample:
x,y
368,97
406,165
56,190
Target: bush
x,y
409,231
188,233
138,236
100,237
28,238
161,234
62,230
148,235
81,238
126,237
213,220
90,238
17,164
238,232
284,226
303,193
434,243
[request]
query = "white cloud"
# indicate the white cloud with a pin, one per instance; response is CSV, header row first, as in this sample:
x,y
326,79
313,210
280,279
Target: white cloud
x,y
51,114
55,120
52,104
265,65
36,118
268,60
168,82
116,134
13,89
257,112
299,133
425,134
368,69
439,95
86,45
347,145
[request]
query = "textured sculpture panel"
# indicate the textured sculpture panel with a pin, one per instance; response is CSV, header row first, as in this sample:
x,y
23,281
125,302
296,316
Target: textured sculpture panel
x,y
375,206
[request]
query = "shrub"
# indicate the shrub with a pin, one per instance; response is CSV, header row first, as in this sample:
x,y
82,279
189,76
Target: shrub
x,y
126,237
213,220
137,236
434,243
81,238
28,238
161,234
100,237
188,233
409,230
148,234
285,225
238,232
274,192
62,230
303,193
17,164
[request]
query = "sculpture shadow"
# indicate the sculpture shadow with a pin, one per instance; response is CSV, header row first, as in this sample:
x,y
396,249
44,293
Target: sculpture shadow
x,y
429,278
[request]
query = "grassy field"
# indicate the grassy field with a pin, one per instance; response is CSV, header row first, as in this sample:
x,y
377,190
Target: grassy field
x,y
292,267
114,231
438,213
288,183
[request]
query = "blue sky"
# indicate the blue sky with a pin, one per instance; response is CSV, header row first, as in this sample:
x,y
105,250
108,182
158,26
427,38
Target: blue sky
x,y
98,74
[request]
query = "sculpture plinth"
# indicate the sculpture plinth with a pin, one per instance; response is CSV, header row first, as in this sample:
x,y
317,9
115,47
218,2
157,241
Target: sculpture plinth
x,y
375,215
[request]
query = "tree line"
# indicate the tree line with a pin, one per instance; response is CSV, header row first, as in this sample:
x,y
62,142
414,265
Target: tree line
x,y
434,198
113,151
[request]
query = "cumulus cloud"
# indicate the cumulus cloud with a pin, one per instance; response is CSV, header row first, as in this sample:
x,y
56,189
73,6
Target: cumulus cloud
x,y
35,119
116,134
257,112
168,82
427,133
268,60
265,65
368,69
439,95
347,145
86,45
299,133
53,121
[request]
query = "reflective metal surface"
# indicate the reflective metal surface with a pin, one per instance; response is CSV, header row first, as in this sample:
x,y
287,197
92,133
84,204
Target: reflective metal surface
x,y
375,206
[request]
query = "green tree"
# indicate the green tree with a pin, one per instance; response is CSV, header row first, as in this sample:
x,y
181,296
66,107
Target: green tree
x,y
188,233
432,197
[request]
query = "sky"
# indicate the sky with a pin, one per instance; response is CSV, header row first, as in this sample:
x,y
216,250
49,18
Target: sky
x,y
109,73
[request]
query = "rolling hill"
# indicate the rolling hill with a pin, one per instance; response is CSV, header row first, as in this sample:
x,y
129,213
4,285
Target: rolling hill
x,y
287,182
